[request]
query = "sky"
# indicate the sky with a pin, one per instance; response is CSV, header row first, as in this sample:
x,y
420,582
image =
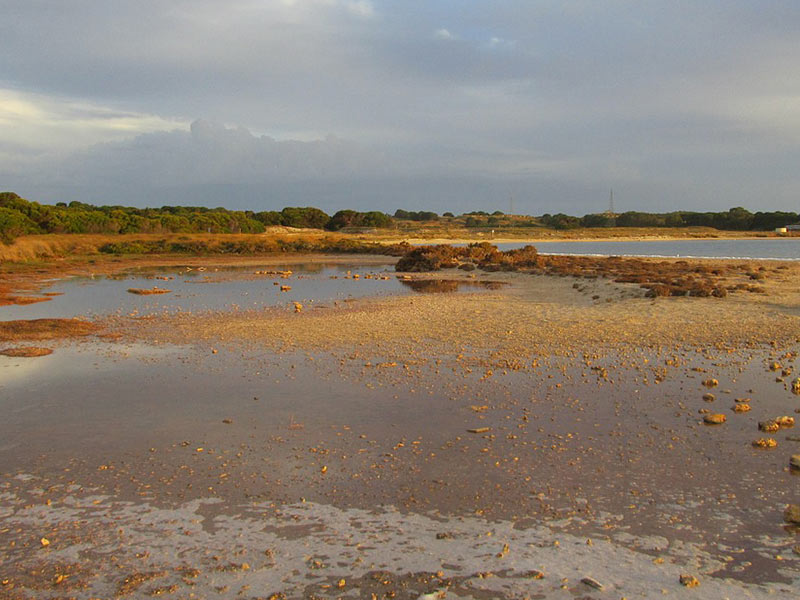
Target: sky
x,y
522,106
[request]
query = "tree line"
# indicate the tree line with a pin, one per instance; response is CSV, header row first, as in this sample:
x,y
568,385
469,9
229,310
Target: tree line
x,y
735,219
21,217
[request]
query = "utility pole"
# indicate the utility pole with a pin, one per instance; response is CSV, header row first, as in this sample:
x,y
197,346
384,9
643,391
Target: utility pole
x,y
611,202
510,204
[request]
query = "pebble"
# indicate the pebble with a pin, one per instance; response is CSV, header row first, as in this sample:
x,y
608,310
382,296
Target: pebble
x,y
714,419
768,426
792,513
591,582
765,443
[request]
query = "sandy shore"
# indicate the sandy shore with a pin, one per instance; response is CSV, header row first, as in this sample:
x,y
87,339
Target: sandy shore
x,y
531,314
504,442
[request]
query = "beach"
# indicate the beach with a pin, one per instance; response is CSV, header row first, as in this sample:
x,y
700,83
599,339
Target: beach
x,y
480,433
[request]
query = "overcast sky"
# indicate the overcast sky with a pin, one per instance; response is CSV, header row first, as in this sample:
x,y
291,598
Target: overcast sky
x,y
419,104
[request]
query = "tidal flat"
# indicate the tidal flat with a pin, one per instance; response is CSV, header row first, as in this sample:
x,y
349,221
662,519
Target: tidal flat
x,y
499,434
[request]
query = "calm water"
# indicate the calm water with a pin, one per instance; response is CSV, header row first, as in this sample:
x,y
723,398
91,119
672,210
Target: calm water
x,y
230,288
781,249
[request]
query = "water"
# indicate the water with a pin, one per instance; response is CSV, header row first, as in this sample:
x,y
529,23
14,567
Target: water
x,y
224,289
778,249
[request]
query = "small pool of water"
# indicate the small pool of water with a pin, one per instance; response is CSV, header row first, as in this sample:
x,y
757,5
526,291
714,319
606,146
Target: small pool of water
x,y
230,288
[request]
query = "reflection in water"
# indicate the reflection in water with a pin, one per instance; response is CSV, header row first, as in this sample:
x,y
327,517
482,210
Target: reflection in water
x,y
434,286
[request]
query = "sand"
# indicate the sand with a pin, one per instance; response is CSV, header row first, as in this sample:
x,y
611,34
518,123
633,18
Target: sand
x,y
532,314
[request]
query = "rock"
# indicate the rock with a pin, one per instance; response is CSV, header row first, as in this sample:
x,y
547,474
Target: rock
x,y
768,426
148,292
792,514
532,574
794,462
764,443
689,580
709,397
592,583
478,430
784,422
741,408
714,419
711,382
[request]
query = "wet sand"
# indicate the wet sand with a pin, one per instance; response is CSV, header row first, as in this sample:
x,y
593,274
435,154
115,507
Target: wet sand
x,y
465,443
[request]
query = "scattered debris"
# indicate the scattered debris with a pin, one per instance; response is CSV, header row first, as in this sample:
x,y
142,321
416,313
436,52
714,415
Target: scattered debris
x,y
148,291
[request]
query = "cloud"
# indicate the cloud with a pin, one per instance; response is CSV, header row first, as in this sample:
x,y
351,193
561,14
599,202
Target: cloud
x,y
443,34
554,99
361,8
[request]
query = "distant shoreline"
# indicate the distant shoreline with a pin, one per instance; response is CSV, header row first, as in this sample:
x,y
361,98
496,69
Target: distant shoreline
x,y
540,240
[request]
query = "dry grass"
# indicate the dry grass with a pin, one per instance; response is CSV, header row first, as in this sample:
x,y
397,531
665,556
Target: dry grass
x,y
62,246
41,247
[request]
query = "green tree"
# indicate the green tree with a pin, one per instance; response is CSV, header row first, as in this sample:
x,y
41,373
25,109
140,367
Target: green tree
x,y
14,224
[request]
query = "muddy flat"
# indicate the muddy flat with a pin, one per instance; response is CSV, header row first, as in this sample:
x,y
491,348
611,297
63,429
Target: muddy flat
x,y
529,436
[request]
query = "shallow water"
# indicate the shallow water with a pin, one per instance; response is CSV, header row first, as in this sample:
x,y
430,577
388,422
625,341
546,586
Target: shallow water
x,y
223,289
317,550
570,453
779,249
211,289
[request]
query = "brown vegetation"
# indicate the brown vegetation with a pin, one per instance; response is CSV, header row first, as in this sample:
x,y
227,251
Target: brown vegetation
x,y
45,329
6,299
659,278
26,351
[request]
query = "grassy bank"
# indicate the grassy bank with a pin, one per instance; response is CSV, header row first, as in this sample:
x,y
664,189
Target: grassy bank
x,y
54,246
